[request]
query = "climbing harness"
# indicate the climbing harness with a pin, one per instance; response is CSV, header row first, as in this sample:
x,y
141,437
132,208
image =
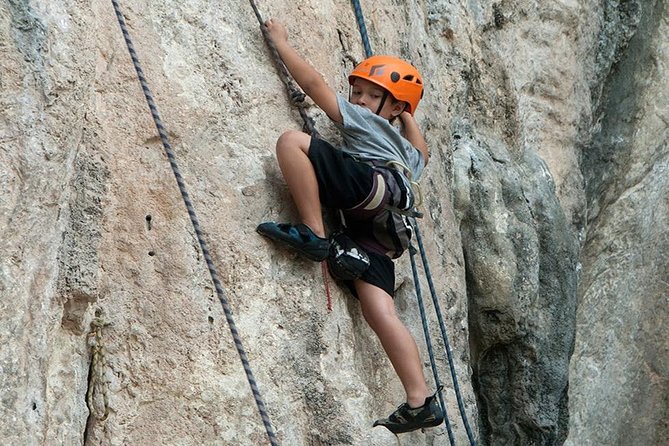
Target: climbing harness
x,y
196,226
368,52
415,188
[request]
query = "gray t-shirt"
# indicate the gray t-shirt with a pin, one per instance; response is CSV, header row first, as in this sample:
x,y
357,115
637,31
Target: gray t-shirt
x,y
369,137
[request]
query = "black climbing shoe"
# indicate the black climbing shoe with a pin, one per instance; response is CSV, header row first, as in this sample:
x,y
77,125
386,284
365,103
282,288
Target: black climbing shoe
x,y
299,237
407,419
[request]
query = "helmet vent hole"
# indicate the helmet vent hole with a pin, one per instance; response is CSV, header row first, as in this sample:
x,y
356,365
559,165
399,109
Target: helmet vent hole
x,y
394,76
408,77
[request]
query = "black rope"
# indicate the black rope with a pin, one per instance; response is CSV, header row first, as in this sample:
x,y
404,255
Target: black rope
x,y
196,226
428,341
442,327
295,94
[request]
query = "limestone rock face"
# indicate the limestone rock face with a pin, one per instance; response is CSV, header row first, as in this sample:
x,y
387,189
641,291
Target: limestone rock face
x,y
620,366
546,211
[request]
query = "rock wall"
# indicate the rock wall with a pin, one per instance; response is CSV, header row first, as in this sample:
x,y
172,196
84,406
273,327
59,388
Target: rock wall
x,y
620,366
545,225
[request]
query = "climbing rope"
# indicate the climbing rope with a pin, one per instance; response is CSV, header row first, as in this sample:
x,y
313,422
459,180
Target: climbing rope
x,y
295,94
428,341
442,327
297,98
196,226
368,52
360,18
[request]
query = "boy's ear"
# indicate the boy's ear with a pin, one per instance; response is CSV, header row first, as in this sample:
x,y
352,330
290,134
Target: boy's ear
x,y
398,108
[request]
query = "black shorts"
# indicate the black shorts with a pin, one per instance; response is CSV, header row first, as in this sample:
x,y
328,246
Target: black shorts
x,y
343,183
381,273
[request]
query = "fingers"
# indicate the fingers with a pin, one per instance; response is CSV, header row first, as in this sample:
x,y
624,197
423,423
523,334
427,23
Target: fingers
x,y
276,30
272,22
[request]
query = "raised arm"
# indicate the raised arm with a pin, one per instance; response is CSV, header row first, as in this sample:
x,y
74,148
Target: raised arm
x,y
304,74
414,135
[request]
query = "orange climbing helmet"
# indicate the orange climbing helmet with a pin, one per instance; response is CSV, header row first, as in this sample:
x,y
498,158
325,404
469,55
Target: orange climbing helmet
x,y
400,78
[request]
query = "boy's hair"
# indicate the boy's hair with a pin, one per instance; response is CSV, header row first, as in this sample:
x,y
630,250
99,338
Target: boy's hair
x,y
399,78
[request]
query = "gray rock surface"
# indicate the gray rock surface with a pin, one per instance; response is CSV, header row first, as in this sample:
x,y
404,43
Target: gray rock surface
x,y
545,225
620,366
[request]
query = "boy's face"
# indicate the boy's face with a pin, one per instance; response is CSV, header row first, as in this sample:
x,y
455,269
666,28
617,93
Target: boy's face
x,y
369,95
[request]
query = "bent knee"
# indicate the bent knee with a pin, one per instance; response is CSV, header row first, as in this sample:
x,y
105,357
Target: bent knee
x,y
293,139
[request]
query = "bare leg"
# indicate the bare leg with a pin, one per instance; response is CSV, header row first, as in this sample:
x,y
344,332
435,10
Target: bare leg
x,y
292,151
400,346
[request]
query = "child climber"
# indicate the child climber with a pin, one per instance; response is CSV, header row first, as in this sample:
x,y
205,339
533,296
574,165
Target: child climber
x,y
356,181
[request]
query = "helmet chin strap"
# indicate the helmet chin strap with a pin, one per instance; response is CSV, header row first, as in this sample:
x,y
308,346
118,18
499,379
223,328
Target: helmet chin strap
x,y
381,104
383,101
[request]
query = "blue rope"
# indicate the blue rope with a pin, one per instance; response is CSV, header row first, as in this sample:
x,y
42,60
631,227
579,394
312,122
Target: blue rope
x,y
361,26
447,345
196,226
428,341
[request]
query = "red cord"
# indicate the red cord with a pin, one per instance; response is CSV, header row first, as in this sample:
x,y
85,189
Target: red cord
x,y
326,282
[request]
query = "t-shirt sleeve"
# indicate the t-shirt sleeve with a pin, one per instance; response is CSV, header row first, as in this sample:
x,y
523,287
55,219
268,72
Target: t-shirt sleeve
x,y
354,118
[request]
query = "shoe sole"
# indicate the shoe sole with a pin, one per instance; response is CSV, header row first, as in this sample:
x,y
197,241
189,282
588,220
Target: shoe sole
x,y
401,429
